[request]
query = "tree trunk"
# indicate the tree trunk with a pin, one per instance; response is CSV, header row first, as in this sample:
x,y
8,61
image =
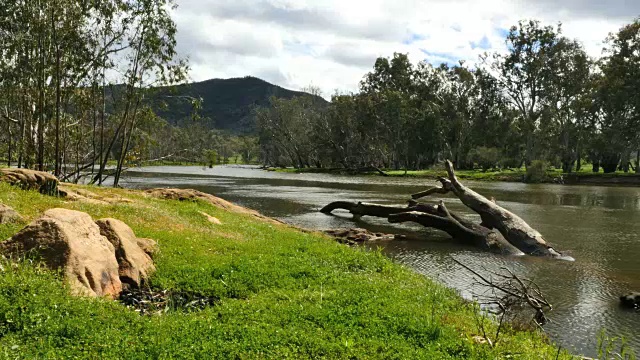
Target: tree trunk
x,y
10,144
493,216
610,162
58,158
513,234
437,217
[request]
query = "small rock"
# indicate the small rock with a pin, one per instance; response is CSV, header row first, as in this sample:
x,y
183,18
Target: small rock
x,y
631,300
150,247
354,236
479,339
212,219
8,215
70,241
134,265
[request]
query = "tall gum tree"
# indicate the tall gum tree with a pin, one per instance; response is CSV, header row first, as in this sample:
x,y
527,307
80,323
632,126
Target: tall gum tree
x,y
523,72
618,89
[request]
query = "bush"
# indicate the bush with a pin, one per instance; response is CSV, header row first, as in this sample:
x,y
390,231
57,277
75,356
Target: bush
x,y
536,171
510,163
485,157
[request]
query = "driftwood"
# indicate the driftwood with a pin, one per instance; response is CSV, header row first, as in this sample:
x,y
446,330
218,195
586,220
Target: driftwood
x,y
431,216
500,230
507,290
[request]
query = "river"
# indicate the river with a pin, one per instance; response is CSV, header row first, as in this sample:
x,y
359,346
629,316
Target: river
x,y
598,226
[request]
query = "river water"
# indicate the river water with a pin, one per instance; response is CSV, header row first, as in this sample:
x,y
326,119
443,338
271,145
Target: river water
x,y
598,226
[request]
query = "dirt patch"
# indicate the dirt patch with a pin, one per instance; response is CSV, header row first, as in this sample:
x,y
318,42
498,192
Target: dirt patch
x,y
156,302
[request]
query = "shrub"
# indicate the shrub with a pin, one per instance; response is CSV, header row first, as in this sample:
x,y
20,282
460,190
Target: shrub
x,y
536,171
485,157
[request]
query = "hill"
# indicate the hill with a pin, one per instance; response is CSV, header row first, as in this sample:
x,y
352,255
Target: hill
x,y
226,103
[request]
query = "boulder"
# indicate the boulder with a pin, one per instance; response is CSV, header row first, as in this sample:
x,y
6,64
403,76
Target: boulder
x,y
71,242
8,215
135,266
631,300
27,179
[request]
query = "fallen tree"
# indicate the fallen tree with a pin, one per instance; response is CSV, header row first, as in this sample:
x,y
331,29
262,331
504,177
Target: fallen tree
x,y
500,230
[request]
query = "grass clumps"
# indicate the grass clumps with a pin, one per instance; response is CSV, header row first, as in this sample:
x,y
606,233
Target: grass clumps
x,y
279,293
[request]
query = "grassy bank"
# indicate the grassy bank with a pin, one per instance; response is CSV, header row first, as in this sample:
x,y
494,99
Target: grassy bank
x,y
511,175
282,294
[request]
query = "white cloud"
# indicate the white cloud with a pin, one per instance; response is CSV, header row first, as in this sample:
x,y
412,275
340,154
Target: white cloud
x,y
333,43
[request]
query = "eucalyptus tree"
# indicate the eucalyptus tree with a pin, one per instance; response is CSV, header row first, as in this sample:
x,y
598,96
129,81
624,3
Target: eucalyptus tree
x,y
494,121
427,139
152,61
523,73
390,88
565,109
460,95
618,89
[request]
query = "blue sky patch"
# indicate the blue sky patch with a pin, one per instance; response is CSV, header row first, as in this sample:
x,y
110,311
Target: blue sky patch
x,y
502,32
483,44
413,38
437,58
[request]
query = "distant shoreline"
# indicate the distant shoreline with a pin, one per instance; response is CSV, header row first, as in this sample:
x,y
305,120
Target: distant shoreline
x,y
582,178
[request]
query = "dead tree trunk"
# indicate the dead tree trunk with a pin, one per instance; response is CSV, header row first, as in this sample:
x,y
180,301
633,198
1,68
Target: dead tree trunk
x,y
500,230
493,216
433,216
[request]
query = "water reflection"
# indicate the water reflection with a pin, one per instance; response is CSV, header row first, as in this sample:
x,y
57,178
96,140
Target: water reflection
x,y
599,226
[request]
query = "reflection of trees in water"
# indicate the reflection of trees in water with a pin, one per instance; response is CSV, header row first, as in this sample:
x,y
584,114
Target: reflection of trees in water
x,y
627,198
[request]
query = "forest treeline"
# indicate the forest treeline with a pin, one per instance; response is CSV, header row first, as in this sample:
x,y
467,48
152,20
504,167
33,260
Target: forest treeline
x,y
543,99
82,84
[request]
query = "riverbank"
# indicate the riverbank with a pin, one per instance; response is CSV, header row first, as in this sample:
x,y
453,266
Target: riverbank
x,y
281,293
511,175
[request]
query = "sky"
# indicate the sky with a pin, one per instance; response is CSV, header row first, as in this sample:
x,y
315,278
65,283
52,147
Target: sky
x,y
332,44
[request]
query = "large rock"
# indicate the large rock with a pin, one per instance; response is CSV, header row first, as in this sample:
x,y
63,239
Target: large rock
x,y
30,180
8,215
70,241
135,266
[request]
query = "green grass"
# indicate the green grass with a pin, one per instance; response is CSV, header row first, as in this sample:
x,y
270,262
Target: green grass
x,y
283,294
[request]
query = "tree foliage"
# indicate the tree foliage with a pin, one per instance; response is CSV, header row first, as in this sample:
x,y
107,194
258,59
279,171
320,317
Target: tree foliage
x,y
543,99
57,60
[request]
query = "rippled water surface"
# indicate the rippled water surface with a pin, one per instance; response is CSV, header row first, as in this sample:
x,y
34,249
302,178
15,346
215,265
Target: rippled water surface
x,y
598,226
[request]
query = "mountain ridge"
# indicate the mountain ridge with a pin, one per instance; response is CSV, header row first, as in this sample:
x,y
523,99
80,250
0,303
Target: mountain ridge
x,y
227,104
